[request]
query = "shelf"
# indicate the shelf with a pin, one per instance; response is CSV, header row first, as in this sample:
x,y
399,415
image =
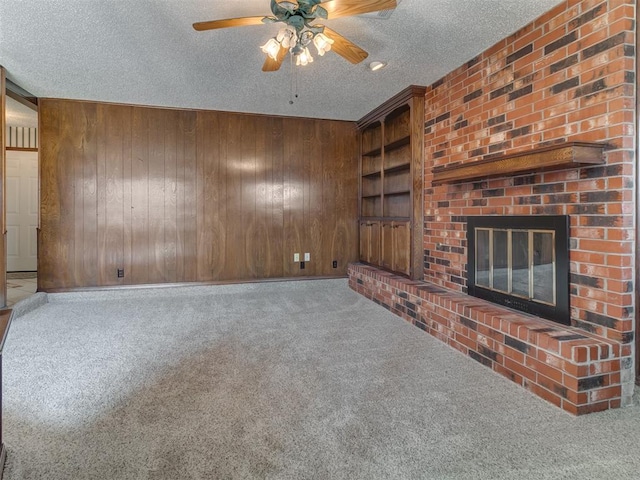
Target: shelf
x,y
565,155
399,143
397,192
384,219
372,139
371,196
371,174
371,206
398,168
373,153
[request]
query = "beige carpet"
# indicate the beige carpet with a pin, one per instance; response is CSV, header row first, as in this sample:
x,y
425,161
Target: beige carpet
x,y
301,380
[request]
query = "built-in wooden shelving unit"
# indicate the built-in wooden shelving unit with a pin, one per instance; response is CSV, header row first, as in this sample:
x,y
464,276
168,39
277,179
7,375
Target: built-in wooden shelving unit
x,y
391,168
564,155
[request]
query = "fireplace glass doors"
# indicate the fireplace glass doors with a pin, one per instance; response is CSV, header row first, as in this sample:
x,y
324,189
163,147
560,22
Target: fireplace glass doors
x,y
521,262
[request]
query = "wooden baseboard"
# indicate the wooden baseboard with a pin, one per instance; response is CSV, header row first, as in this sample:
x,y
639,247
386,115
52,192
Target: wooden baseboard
x,y
186,284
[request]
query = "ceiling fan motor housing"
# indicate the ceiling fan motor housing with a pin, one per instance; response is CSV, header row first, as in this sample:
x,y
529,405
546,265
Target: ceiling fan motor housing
x,y
298,15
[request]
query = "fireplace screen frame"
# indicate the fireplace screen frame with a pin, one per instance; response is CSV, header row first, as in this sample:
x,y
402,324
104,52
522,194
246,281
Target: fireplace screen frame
x,y
558,224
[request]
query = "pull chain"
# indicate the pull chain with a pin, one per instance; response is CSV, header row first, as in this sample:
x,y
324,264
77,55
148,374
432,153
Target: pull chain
x,y
292,73
293,81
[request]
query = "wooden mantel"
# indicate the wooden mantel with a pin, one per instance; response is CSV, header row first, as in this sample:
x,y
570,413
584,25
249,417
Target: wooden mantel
x,y
564,155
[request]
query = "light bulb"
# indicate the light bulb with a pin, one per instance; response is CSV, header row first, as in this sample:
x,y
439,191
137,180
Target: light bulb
x,y
322,43
304,58
287,37
271,48
375,66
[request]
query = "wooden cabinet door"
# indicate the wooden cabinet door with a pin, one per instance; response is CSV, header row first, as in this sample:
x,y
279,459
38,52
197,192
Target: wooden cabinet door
x,y
364,241
386,259
374,243
402,247
370,242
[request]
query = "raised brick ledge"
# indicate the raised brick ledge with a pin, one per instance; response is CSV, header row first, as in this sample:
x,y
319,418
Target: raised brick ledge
x,y
573,369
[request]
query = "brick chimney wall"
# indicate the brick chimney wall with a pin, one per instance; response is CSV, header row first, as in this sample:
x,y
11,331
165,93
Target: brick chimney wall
x,y
568,76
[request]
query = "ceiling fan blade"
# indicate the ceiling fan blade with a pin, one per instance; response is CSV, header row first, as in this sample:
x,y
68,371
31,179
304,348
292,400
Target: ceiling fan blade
x,y
228,22
346,8
345,48
271,65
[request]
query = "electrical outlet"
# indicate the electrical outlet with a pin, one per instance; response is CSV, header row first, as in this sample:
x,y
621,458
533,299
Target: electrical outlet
x,y
335,264
120,272
296,257
307,257
301,265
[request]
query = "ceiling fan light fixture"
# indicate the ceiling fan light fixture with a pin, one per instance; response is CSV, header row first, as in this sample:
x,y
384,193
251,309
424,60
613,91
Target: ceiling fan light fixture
x,y
287,37
304,57
271,48
322,43
299,17
375,66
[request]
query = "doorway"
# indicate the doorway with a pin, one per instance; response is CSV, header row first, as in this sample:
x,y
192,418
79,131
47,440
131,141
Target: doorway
x,y
21,196
22,210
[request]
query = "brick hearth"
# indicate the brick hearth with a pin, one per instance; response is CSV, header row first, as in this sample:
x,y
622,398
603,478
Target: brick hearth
x,y
568,367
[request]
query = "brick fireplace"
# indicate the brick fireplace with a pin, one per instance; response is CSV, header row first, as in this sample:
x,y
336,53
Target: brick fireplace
x,y
522,262
567,77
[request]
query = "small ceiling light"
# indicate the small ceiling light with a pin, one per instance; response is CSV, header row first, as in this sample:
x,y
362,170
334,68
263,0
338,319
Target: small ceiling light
x,y
375,66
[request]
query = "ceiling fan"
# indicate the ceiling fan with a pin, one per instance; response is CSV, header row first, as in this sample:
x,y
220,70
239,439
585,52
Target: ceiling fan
x,y
300,29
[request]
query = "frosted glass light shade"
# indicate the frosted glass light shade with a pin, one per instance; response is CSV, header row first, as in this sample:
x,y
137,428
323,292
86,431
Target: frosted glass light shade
x,y
304,58
287,37
322,43
271,48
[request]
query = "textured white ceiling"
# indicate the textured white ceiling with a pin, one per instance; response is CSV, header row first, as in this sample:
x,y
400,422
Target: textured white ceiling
x,y
146,52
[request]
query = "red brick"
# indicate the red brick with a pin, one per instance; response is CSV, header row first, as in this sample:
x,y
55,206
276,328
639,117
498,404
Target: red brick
x,y
544,369
519,369
544,393
514,377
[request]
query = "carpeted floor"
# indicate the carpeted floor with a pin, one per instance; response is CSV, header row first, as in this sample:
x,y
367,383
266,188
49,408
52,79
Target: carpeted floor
x,y
298,380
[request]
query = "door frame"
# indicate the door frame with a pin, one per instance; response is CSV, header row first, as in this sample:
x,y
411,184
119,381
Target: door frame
x,y
7,89
3,166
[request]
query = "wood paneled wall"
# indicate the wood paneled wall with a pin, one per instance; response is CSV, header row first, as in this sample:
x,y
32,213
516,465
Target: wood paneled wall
x,y
191,196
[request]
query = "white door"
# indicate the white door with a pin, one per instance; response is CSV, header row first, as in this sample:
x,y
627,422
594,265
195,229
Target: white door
x,y
22,211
